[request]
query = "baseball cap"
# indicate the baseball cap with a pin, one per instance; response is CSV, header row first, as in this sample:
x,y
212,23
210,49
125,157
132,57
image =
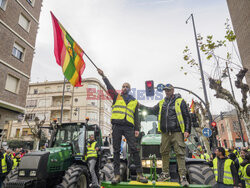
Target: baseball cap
x,y
168,86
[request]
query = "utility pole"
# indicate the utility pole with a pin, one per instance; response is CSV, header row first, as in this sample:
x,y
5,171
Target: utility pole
x,y
213,139
238,116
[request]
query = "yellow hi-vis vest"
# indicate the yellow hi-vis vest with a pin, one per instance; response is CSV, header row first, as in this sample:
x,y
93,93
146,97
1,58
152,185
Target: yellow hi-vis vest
x,y
205,156
91,152
120,110
245,176
15,163
177,111
227,175
240,171
236,153
4,164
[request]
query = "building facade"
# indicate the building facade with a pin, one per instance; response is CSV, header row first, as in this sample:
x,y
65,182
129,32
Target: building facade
x,y
19,21
229,131
240,16
44,100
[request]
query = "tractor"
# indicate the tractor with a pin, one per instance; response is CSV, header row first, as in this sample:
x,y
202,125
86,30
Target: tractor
x,y
199,173
63,163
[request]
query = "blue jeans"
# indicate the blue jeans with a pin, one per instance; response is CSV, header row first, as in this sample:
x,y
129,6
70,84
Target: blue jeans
x,y
221,185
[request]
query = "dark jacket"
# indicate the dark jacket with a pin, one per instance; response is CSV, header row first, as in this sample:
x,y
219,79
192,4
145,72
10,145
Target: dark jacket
x,y
127,98
169,121
220,166
244,163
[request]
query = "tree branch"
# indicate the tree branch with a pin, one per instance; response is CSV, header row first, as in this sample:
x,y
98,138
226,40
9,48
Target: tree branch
x,y
244,89
223,93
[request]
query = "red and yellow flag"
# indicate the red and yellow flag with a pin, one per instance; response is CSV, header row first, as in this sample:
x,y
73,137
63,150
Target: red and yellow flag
x,y
192,106
68,54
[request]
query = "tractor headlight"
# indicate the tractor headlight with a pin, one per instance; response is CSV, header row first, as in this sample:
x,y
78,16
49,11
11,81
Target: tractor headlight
x,y
143,163
146,163
159,163
33,173
21,173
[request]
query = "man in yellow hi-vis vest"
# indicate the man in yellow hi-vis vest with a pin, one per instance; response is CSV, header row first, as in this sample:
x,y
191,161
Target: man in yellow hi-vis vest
x,y
175,125
224,170
125,122
5,165
92,149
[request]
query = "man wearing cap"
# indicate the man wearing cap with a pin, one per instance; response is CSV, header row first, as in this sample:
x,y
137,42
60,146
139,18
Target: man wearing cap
x,y
175,125
125,122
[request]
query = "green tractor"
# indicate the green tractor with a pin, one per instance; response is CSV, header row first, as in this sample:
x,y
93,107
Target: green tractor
x,y
199,174
63,163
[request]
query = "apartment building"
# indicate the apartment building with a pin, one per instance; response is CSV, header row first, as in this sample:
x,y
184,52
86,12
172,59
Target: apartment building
x,y
44,100
19,20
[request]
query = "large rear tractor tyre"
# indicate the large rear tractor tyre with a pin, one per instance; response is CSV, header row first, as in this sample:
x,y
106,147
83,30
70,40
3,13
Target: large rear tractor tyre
x,y
107,172
201,174
13,175
76,176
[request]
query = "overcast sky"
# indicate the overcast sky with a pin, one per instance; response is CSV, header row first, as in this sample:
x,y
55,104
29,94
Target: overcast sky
x,y
133,40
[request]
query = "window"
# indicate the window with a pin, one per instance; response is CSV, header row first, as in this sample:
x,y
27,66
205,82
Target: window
x,y
222,128
3,4
31,2
17,133
35,91
76,99
18,51
68,88
30,116
31,103
44,102
24,22
26,132
235,126
12,84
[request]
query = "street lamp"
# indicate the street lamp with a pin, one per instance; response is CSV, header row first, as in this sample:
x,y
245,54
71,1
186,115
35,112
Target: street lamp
x,y
213,139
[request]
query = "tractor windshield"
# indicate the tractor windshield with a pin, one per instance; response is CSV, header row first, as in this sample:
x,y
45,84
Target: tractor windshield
x,y
71,133
149,124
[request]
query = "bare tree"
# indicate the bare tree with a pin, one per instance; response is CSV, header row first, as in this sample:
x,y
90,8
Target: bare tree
x,y
36,130
201,112
208,47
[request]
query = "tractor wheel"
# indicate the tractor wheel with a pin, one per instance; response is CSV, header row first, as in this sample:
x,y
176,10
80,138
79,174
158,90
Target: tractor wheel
x,y
201,174
13,175
107,172
76,176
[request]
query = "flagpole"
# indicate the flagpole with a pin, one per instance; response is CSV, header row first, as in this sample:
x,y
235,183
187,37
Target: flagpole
x,y
90,60
62,100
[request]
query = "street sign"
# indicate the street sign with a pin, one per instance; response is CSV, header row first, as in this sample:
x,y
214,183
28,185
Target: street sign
x,y
207,132
160,87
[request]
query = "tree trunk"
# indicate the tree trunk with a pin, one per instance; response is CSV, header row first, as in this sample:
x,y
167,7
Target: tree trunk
x,y
36,144
247,127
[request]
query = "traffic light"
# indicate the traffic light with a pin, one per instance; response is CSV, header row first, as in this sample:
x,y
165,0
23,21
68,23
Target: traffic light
x,y
221,116
214,125
150,91
194,120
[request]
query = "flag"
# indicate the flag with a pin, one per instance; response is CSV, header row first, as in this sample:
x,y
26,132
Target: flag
x,y
68,54
192,106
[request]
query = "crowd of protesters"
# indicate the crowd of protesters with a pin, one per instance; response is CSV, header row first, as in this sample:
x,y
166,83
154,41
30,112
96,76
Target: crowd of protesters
x,y
10,160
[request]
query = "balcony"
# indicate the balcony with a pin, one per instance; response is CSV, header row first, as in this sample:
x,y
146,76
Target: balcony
x,y
58,107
